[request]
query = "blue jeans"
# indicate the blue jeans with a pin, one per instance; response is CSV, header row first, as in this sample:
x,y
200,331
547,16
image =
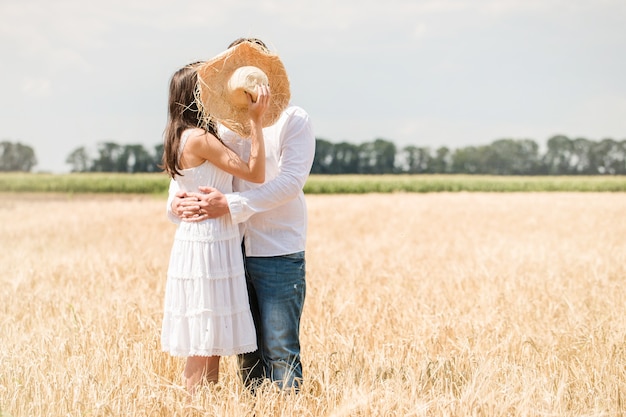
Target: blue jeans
x,y
276,288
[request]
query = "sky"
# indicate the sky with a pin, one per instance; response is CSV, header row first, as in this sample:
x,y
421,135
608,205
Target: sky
x,y
428,73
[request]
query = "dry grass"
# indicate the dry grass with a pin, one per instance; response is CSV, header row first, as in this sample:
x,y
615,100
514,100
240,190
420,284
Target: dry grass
x,y
417,305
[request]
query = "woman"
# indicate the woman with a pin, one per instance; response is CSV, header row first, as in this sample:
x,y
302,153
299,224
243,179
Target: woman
x,y
207,313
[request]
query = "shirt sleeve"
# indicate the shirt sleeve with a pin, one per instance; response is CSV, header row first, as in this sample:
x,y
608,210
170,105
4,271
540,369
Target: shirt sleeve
x,y
171,194
297,150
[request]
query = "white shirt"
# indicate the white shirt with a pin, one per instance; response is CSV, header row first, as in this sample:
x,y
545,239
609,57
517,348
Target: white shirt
x,y
272,215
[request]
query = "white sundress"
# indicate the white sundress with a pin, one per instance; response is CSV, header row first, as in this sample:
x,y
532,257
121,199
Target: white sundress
x,y
206,309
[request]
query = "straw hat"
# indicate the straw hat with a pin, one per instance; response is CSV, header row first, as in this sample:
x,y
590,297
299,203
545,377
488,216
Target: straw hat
x,y
223,81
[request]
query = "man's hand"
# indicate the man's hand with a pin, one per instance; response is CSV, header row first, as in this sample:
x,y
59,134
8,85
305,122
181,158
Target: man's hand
x,y
186,207
212,202
209,203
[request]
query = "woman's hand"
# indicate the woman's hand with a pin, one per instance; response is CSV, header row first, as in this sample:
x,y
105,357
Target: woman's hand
x,y
187,207
208,203
256,109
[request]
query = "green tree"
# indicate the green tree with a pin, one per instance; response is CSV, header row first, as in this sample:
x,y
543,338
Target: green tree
x,y
377,157
559,157
415,160
16,157
345,158
583,161
110,158
609,157
157,159
511,157
323,158
79,159
469,160
442,161
135,158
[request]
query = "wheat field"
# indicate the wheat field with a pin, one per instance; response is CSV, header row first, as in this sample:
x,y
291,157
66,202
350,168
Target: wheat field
x,y
448,304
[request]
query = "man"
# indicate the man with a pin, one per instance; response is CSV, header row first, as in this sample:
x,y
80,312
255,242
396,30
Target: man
x,y
273,219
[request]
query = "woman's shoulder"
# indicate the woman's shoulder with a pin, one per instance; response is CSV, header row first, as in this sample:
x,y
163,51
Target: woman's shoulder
x,y
198,135
193,132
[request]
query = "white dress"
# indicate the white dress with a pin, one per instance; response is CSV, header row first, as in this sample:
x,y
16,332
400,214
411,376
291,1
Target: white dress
x,y
207,312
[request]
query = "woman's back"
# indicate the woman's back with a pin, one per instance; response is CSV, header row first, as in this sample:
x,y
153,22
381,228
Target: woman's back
x,y
205,174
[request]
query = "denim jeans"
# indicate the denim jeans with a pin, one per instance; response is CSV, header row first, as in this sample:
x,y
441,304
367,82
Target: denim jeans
x,y
276,288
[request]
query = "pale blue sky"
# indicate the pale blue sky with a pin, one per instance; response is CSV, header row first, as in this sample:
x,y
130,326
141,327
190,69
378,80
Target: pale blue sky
x,y
423,72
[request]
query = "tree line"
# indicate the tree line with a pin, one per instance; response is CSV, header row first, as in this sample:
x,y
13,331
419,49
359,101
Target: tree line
x,y
562,156
112,157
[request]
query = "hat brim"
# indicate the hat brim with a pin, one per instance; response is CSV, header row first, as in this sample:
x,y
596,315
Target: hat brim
x,y
215,99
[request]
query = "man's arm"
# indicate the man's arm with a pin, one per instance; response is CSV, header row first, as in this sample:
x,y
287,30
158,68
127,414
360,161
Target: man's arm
x,y
297,152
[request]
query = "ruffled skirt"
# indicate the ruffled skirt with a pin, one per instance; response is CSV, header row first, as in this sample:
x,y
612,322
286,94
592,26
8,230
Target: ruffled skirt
x,y
207,312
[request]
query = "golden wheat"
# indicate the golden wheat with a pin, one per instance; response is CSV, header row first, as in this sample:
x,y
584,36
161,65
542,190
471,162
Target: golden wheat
x,y
417,305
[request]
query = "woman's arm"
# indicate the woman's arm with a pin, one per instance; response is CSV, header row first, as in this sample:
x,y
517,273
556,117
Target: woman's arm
x,y
209,148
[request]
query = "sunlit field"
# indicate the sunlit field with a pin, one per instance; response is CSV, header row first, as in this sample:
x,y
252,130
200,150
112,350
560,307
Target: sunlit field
x,y
443,304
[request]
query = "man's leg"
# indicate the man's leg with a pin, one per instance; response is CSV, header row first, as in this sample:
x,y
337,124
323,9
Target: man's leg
x,y
280,289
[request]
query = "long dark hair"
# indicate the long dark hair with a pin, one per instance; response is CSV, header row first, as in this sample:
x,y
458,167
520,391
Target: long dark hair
x,y
182,114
